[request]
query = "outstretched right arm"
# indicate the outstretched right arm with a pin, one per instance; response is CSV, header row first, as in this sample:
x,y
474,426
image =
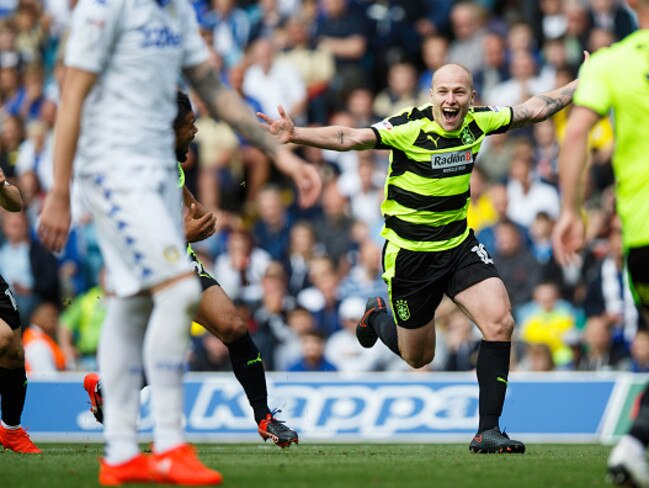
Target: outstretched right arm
x,y
335,137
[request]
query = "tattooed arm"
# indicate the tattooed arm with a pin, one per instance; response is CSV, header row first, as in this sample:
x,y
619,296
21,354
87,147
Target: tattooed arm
x,y
224,104
334,137
543,106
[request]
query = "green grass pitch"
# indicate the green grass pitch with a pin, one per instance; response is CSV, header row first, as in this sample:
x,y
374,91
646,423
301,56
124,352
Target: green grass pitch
x,y
328,465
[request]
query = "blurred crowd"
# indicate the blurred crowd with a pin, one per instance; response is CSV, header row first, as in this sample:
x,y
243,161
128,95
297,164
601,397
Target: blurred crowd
x,y
300,277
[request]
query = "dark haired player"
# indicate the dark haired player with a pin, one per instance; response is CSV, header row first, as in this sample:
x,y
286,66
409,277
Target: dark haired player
x,y
216,312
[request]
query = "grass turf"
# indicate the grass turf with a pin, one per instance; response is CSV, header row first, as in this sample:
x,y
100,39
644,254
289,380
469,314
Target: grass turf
x,y
327,465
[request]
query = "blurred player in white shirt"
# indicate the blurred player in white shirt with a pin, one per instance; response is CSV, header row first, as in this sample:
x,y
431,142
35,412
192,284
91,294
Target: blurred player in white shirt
x,y
123,61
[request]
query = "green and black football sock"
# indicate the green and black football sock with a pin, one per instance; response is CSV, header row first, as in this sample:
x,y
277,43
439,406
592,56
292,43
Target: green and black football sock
x,y
492,370
248,368
384,326
13,388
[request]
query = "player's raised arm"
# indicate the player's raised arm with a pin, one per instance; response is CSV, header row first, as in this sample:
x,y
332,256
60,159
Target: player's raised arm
x,y
335,137
544,105
10,198
55,218
226,105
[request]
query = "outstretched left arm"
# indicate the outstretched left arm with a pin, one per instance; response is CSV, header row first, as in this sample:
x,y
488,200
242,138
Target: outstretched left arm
x,y
543,106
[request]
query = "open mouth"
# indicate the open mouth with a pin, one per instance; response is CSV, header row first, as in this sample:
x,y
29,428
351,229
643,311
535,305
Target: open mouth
x,y
451,115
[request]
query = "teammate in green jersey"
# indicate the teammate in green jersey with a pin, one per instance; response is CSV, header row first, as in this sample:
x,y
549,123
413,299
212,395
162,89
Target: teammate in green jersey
x,y
617,80
430,251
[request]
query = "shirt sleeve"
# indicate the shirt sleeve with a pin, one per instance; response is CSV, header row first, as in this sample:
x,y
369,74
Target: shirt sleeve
x,y
94,29
493,119
194,49
593,91
396,132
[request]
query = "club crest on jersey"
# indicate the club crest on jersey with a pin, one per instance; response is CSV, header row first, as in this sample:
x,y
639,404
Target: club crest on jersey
x,y
171,254
402,309
467,136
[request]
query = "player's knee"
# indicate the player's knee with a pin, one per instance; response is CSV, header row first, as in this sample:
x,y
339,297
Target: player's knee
x,y
500,328
233,328
418,359
13,357
6,339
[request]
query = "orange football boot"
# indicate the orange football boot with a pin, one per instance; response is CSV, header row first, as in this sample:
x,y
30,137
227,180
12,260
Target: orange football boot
x,y
180,466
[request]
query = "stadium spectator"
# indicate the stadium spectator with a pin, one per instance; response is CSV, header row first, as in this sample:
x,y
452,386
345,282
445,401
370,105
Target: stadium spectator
x,y
482,212
288,348
314,64
401,91
517,266
364,189
302,250
527,195
611,15
344,351
271,312
274,81
541,237
640,352
344,33
313,357
11,135
359,106
332,228
364,278
231,29
546,320
240,270
34,165
28,267
609,293
81,321
521,83
538,358
467,21
495,69
209,354
600,352
434,54
272,229
462,342
322,299
42,352
267,21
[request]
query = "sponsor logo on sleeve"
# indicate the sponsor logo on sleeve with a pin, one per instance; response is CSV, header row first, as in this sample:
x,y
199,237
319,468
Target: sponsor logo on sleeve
x,y
383,125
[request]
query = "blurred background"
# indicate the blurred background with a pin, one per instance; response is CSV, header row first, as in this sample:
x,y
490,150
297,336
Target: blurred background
x,y
300,277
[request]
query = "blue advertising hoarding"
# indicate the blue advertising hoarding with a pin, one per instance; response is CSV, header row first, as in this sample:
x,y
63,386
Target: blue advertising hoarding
x,y
408,407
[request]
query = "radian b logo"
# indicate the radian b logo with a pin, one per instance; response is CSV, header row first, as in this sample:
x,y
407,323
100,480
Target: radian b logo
x,y
402,309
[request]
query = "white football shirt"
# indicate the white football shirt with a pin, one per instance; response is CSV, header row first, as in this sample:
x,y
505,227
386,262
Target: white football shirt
x,y
138,49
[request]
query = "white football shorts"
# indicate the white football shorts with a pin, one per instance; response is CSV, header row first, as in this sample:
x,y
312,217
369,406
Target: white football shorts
x,y
138,217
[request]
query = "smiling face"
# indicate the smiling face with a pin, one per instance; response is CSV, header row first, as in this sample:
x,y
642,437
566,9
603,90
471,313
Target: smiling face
x,y
452,94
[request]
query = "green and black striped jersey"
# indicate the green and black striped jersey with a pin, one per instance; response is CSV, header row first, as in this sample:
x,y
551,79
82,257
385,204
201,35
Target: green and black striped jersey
x,y
427,186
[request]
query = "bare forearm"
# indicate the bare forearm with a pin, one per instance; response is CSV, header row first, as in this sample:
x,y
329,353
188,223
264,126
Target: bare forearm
x,y
347,48
335,137
226,105
572,161
188,198
10,198
544,105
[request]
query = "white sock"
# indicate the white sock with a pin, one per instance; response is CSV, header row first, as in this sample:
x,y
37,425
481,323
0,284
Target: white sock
x,y
9,427
120,366
165,356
